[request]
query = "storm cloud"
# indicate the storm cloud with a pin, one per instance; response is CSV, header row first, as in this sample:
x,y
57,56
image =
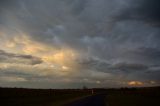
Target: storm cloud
x,y
117,38
144,10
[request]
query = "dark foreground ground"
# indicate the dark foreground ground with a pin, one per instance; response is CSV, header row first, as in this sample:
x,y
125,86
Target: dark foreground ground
x,y
95,100
79,97
134,97
40,97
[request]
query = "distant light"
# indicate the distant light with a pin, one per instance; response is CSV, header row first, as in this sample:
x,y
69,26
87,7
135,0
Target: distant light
x,y
98,82
65,67
152,82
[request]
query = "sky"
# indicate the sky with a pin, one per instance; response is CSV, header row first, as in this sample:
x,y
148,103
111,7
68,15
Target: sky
x,y
76,43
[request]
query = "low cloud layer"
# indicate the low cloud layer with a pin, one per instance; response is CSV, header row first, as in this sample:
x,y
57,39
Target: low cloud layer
x,y
17,58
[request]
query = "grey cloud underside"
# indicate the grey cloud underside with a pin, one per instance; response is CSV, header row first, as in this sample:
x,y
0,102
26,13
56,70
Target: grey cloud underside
x,y
125,69
56,21
144,10
18,58
120,37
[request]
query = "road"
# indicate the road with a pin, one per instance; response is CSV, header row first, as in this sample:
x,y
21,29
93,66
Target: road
x,y
95,100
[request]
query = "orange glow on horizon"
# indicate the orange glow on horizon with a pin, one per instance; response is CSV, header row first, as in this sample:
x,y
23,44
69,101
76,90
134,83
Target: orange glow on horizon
x,y
135,83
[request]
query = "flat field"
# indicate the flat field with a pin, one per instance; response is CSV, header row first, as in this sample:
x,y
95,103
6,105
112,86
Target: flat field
x,y
71,97
134,97
39,97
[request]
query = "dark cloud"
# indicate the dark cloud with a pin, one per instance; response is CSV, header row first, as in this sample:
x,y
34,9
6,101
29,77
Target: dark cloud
x,y
7,3
129,67
92,63
6,57
144,10
149,56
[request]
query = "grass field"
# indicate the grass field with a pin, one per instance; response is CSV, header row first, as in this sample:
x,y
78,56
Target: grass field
x,y
134,97
39,97
56,97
